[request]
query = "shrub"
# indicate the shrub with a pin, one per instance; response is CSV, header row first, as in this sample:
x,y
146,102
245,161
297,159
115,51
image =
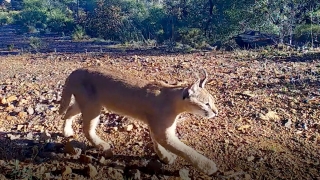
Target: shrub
x,y
35,43
7,17
191,36
78,33
55,18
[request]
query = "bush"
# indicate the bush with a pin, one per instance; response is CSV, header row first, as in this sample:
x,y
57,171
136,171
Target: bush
x,y
35,43
7,17
303,33
78,33
191,36
54,19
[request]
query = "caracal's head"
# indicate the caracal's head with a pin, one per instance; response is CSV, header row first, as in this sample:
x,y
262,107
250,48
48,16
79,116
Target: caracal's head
x,y
198,100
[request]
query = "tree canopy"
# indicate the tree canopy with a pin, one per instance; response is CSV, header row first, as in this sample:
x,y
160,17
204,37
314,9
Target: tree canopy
x,y
192,22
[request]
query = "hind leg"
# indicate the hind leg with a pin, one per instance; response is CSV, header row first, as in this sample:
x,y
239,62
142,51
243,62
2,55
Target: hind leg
x,y
90,116
69,117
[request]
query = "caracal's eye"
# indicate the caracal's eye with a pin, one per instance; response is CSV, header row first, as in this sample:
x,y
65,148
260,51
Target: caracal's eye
x,y
207,104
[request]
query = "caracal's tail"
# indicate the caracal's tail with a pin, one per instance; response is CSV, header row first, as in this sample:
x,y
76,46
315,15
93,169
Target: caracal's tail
x,y
65,97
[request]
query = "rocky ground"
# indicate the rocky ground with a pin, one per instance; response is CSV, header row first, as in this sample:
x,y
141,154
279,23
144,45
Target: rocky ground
x,y
268,126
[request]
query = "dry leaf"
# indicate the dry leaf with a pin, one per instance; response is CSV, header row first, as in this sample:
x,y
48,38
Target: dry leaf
x,y
243,127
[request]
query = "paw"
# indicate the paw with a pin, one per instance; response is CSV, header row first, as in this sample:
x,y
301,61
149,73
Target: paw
x,y
168,158
67,132
107,153
208,167
105,147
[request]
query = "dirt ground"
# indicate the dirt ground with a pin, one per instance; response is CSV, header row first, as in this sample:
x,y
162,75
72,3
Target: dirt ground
x,y
268,125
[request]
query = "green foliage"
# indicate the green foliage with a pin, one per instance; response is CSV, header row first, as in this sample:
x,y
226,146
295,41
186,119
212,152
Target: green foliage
x,y
7,17
194,23
46,16
191,36
105,21
35,43
308,29
78,33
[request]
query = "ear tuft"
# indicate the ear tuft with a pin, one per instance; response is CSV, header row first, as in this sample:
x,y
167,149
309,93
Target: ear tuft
x,y
204,80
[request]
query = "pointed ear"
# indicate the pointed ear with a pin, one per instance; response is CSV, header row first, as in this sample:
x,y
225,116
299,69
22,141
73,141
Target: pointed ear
x,y
204,80
191,89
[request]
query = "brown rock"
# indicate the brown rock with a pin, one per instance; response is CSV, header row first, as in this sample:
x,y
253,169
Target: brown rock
x,y
102,160
69,148
3,100
247,177
271,115
154,165
134,174
66,170
114,174
250,158
91,171
19,127
85,159
11,98
22,114
184,174
10,107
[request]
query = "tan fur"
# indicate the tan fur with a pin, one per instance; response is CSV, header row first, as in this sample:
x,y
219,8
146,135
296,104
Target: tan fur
x,y
156,104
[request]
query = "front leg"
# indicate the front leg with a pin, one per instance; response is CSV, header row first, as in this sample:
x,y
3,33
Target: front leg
x,y
164,155
171,142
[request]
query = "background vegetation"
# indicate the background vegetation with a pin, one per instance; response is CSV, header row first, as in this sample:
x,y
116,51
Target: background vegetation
x,y
196,23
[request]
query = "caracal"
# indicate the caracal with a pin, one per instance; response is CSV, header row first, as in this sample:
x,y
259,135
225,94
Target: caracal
x,y
156,104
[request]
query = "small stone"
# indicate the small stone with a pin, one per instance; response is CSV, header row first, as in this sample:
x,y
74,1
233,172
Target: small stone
x,y
241,128
129,127
18,109
248,93
19,127
184,174
114,174
154,177
29,136
10,107
11,99
13,137
3,101
47,175
247,177
22,114
288,123
250,158
22,102
66,170
227,173
30,110
91,171
134,174
271,115
102,160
